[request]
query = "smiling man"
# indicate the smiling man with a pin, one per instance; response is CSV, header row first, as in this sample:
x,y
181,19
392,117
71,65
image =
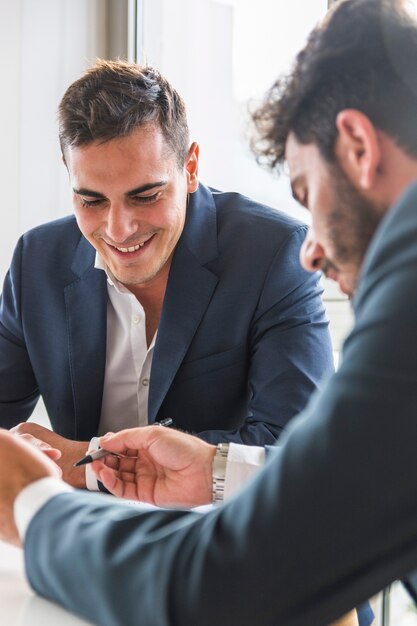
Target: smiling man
x,y
134,229
161,298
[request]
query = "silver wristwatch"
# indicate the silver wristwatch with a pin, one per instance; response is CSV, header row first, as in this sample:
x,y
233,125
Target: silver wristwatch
x,y
219,472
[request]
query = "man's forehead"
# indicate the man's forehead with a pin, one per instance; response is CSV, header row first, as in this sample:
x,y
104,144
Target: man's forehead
x,y
149,135
300,157
295,157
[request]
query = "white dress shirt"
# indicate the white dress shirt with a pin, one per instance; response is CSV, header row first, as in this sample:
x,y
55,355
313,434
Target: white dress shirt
x,y
128,364
128,359
242,463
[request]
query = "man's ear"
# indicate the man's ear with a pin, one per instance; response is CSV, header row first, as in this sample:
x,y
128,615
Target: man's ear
x,y
191,166
358,148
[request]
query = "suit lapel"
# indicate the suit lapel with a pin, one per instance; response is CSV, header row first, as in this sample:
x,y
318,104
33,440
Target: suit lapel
x,y
86,310
189,290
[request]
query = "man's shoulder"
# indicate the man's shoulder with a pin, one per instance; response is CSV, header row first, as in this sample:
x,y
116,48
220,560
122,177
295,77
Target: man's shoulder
x,y
235,207
64,226
56,245
228,224
254,228
61,236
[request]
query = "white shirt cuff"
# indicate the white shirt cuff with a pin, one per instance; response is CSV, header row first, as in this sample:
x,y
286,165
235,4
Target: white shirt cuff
x,y
243,462
90,477
33,497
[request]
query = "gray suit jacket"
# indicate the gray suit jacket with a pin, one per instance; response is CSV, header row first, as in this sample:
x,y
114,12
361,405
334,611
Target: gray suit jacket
x,y
330,520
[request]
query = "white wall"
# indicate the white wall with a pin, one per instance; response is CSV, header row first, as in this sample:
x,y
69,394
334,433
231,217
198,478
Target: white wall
x,y
10,53
44,46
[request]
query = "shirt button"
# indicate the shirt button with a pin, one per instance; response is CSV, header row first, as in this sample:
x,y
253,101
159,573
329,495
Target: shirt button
x,y
145,382
135,319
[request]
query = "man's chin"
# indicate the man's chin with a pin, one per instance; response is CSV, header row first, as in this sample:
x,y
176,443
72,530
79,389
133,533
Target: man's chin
x,y
343,285
346,290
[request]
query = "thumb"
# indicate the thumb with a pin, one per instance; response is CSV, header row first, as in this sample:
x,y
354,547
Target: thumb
x,y
128,439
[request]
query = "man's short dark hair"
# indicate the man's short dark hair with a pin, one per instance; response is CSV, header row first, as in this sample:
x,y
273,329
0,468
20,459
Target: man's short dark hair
x,y
362,56
114,98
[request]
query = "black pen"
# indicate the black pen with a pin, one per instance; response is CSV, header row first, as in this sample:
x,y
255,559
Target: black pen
x,y
99,454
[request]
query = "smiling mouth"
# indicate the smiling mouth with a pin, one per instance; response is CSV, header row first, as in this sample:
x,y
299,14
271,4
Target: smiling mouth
x,y
132,249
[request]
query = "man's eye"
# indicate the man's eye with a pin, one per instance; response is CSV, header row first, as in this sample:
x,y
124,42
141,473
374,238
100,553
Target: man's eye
x,y
145,199
90,203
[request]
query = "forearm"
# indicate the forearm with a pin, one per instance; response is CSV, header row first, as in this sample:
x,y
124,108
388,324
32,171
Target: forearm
x,y
167,544
250,434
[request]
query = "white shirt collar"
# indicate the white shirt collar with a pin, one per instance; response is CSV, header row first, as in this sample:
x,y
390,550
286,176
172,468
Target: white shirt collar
x,y
99,264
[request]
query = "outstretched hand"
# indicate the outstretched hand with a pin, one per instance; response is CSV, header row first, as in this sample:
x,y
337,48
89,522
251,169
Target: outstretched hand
x,y
172,468
20,464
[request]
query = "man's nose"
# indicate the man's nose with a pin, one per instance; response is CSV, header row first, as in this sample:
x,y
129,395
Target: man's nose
x,y
311,253
121,223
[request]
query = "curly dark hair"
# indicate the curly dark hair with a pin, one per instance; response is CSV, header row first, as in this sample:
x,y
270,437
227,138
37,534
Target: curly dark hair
x,y
362,56
114,98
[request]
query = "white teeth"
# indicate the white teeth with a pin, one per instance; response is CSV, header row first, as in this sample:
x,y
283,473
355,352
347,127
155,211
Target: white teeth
x,y
131,248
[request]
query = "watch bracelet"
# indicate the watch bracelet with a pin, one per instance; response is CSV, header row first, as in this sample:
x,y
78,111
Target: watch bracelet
x,y
219,472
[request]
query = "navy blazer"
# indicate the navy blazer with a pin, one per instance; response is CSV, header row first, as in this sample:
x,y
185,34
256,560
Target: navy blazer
x,y
329,521
242,339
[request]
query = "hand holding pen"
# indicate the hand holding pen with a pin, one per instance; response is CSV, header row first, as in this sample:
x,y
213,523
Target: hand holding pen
x,y
99,454
161,466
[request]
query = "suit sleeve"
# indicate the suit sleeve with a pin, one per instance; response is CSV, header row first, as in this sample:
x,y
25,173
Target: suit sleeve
x,y
18,387
290,348
329,521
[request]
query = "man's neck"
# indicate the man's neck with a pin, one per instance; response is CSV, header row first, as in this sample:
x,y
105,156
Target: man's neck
x,y
151,296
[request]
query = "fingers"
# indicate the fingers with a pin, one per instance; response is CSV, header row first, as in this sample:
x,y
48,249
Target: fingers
x,y
105,475
111,461
18,452
129,440
122,485
53,453
118,466
117,463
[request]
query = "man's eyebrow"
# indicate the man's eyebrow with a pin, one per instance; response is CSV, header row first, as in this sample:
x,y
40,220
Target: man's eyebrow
x,y
147,187
87,192
133,192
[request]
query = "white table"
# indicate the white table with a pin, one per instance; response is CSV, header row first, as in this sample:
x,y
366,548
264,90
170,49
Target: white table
x,y
19,606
